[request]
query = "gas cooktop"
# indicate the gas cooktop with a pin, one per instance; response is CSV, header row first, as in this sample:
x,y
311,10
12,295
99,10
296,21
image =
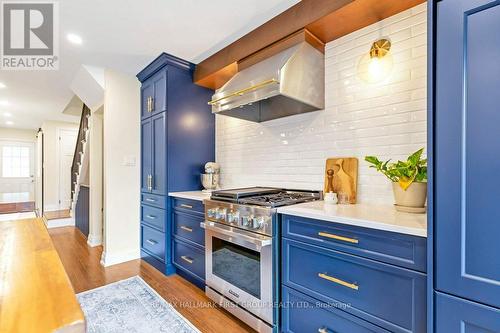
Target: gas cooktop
x,y
265,196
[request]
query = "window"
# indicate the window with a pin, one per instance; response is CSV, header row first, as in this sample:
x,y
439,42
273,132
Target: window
x,y
15,162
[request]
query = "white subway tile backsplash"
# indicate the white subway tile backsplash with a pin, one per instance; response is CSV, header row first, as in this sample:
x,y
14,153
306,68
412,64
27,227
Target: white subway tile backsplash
x,y
387,119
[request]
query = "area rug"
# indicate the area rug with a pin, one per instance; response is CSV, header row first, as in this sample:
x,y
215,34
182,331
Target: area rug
x,y
130,305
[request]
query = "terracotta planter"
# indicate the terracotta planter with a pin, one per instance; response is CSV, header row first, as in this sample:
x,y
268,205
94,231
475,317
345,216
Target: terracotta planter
x,y
412,200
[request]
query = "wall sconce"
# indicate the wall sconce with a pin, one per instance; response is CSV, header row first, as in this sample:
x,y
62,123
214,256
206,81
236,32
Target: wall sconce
x,y
376,66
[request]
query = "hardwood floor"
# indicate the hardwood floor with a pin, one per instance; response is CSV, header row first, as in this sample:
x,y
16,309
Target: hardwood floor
x,y
82,264
58,214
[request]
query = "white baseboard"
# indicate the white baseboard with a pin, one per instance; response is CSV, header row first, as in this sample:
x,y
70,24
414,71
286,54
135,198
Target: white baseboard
x,y
118,258
60,223
94,240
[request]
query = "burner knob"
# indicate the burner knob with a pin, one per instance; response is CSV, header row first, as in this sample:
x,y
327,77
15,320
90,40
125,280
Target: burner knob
x,y
258,222
246,220
221,214
212,212
233,217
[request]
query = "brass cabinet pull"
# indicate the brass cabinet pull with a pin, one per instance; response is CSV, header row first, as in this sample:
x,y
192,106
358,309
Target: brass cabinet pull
x,y
186,228
151,217
340,238
152,104
148,104
338,281
152,242
150,183
187,259
186,206
324,330
150,200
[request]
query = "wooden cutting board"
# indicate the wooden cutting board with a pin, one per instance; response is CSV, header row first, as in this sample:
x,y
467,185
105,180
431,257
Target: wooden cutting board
x,y
344,178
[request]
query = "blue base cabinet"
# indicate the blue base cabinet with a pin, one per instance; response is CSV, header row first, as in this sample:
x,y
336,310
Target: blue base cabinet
x,y
188,240
466,154
177,139
331,266
455,314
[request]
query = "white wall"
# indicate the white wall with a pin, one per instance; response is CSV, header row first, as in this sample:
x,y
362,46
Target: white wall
x,y
51,161
386,119
121,182
17,134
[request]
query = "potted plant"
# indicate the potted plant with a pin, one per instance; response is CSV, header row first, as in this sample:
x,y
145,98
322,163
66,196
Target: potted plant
x,y
409,180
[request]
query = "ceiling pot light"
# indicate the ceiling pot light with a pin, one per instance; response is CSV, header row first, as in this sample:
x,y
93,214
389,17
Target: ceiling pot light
x,y
75,39
7,114
4,103
376,66
10,123
2,85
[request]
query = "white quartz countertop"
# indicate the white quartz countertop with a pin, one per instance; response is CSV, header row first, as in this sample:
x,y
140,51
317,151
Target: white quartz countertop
x,y
381,217
193,195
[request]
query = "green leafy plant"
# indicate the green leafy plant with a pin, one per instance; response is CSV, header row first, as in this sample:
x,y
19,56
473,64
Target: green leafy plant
x,y
414,169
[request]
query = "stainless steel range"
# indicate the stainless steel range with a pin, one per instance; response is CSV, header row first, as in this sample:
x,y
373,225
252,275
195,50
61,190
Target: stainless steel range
x,y
241,229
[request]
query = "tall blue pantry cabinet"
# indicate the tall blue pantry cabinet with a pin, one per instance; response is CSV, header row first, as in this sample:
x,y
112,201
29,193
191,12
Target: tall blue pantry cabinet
x,y
466,158
177,139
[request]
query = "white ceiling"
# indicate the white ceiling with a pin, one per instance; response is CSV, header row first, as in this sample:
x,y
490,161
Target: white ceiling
x,y
126,36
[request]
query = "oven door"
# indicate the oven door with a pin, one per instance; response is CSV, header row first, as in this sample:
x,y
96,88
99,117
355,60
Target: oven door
x,y
239,266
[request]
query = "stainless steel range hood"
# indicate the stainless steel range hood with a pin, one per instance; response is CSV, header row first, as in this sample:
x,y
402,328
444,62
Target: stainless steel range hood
x,y
288,83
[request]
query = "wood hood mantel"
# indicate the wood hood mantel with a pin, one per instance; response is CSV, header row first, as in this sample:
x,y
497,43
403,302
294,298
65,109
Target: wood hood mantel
x,y
326,20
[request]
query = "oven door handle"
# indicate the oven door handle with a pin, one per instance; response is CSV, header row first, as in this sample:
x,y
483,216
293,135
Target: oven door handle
x,y
236,233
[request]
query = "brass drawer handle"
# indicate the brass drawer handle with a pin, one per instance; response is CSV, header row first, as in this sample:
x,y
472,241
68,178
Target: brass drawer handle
x,y
187,259
151,217
324,330
150,200
340,238
186,228
186,206
338,281
152,104
152,242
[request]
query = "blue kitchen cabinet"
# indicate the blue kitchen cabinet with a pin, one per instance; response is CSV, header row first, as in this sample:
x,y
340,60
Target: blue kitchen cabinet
x,y
188,239
154,94
455,314
466,163
177,139
357,279
146,154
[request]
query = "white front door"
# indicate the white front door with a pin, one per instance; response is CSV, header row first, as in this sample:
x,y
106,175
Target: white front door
x,y
17,168
67,144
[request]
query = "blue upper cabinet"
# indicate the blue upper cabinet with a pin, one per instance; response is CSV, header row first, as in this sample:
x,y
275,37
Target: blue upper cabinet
x,y
467,150
154,94
178,127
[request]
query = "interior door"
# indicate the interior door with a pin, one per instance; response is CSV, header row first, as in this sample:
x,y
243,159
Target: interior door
x,y
17,160
467,186
67,144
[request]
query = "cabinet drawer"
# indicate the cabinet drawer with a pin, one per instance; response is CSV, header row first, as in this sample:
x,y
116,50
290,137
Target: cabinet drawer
x,y
158,201
154,217
391,297
189,258
188,226
393,248
301,313
193,206
459,315
153,241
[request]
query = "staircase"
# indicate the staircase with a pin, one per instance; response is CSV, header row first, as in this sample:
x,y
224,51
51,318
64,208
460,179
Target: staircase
x,y
79,167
